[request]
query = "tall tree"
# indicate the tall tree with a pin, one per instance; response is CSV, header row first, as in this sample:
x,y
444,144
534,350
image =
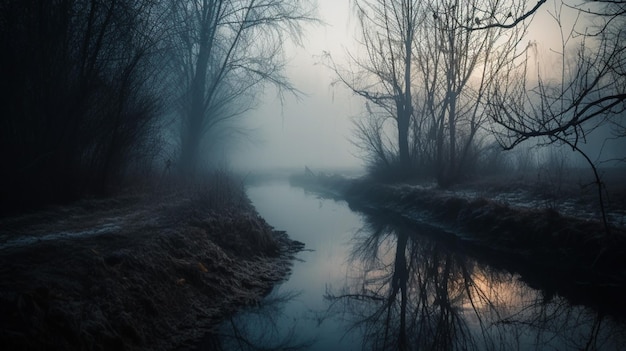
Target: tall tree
x,y
383,75
223,50
426,70
456,68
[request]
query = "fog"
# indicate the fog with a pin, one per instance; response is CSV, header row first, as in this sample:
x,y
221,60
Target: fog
x,y
315,128
296,84
168,164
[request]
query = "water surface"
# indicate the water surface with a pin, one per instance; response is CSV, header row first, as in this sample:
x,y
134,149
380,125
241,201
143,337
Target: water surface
x,y
375,282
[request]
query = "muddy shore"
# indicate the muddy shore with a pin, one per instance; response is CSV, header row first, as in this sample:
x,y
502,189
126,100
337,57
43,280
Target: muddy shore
x,y
140,272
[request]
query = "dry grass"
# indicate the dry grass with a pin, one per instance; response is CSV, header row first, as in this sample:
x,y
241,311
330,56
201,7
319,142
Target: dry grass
x,y
148,271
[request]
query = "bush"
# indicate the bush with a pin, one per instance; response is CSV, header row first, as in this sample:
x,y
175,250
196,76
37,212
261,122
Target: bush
x,y
393,172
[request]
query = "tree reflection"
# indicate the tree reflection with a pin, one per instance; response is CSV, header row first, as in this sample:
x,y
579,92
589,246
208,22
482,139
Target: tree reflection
x,y
258,328
411,287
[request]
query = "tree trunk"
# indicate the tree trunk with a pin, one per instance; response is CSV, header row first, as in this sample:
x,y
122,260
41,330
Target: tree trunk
x,y
452,167
405,108
192,131
403,141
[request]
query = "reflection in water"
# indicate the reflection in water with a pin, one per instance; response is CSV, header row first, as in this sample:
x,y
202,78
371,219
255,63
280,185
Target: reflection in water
x,y
258,328
394,285
407,290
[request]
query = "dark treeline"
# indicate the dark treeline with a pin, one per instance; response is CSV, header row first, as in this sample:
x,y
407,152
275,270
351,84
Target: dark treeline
x,y
78,109
98,92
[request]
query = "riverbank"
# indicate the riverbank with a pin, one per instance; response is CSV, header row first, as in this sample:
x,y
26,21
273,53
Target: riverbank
x,y
547,246
144,271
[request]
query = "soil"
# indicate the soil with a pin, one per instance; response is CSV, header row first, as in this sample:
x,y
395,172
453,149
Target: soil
x,y
141,272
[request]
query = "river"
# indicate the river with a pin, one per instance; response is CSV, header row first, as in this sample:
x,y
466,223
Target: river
x,y
376,282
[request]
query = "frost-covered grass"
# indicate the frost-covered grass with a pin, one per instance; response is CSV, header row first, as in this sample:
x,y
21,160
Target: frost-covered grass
x,y
148,270
573,193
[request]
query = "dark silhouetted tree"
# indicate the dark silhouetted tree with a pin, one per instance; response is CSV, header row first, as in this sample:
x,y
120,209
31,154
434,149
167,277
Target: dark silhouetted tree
x,y
456,68
423,69
383,74
568,101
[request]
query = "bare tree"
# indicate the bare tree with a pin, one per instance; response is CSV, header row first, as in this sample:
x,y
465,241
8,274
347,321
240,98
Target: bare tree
x,y
424,69
370,138
223,50
456,68
383,76
588,92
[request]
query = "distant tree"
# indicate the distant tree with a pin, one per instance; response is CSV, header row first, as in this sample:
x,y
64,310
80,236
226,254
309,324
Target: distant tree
x,y
589,90
223,51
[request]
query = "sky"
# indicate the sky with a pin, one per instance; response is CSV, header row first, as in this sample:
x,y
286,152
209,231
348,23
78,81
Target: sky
x,y
315,130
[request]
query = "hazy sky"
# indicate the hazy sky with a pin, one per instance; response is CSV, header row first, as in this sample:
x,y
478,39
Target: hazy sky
x,y
315,131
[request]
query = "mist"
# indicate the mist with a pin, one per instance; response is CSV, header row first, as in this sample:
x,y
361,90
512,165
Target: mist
x,y
316,128
312,128
319,175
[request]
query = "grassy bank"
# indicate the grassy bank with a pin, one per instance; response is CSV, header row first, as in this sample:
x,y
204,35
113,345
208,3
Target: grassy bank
x,y
571,249
144,271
